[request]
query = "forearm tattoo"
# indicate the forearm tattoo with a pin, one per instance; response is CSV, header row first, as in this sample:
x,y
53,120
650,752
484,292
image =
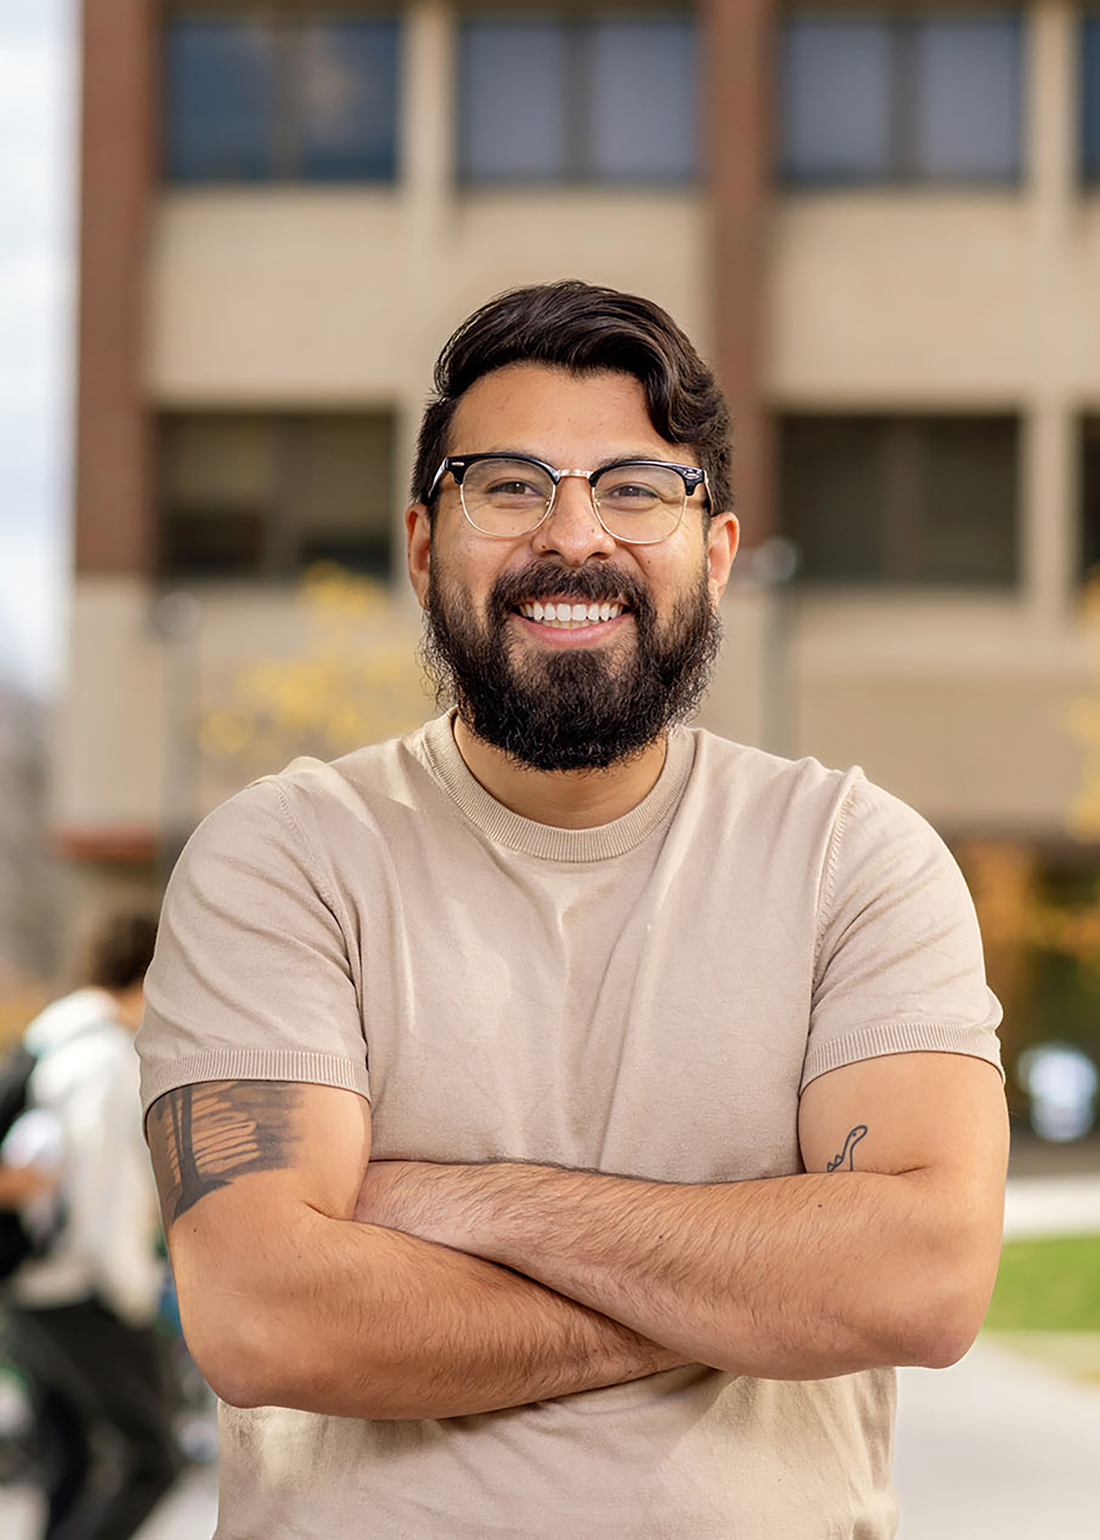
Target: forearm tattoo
x,y
203,1137
845,1161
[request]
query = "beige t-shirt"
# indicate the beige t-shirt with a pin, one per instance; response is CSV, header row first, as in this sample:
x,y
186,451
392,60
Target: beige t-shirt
x,y
648,997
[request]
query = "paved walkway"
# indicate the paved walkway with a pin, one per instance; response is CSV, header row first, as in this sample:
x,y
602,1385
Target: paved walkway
x,y
1053,1205
998,1447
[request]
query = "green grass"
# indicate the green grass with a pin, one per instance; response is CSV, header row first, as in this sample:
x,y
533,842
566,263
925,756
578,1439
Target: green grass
x,y
1048,1285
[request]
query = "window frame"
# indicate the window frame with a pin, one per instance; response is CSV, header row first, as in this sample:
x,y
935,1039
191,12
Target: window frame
x,y
283,537
577,26
284,131
1088,492
898,500
902,31
1088,166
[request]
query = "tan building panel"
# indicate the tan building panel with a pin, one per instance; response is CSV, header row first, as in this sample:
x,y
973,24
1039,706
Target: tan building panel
x,y
108,767
275,296
304,295
970,749
924,297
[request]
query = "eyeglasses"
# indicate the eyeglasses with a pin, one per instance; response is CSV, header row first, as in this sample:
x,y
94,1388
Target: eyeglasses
x,y
640,502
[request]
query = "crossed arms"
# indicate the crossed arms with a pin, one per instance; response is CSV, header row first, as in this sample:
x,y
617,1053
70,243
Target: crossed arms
x,y
438,1290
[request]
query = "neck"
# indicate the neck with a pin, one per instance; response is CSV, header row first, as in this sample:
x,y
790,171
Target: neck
x,y
567,799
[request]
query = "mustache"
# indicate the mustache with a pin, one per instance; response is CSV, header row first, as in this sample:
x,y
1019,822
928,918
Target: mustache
x,y
595,582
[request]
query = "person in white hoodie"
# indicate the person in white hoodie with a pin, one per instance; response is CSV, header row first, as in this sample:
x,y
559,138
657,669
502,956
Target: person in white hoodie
x,y
82,1310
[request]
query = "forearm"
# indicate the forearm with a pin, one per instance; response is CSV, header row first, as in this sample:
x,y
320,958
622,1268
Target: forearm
x,y
792,1278
359,1321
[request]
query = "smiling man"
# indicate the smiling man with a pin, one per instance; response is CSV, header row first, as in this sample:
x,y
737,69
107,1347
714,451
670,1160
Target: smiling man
x,y
564,1119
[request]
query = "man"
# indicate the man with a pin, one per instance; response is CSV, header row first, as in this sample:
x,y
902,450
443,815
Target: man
x,y
673,1061
82,1310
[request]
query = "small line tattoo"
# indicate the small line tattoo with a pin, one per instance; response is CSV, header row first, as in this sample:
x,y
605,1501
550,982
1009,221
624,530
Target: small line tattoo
x,y
203,1137
849,1151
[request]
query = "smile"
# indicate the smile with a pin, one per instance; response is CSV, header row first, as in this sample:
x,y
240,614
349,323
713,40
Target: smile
x,y
569,616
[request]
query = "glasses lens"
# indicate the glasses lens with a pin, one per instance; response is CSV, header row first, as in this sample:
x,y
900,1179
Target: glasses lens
x,y
640,502
503,496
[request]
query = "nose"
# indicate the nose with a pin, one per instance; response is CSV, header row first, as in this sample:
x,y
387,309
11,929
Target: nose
x,y
572,530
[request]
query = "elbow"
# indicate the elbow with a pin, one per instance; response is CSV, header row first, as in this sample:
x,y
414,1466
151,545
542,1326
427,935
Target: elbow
x,y
233,1355
943,1346
942,1329
237,1383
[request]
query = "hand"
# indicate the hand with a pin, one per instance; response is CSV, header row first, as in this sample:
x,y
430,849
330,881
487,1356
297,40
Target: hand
x,y
19,1184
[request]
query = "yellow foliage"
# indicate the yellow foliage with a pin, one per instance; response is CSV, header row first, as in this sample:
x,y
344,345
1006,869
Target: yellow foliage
x,y
351,683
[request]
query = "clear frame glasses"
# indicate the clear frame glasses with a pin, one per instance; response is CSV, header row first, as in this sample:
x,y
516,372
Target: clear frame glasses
x,y
640,502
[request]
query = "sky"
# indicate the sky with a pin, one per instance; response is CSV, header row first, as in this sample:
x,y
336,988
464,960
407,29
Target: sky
x,y
38,138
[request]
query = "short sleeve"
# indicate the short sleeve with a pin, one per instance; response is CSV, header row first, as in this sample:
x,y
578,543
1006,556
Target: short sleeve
x,y
251,979
899,965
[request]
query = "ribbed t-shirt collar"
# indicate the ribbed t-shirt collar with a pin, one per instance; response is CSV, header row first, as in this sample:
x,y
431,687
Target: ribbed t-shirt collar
x,y
510,829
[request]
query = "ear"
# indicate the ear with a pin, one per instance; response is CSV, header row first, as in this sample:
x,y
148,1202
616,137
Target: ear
x,y
418,548
723,537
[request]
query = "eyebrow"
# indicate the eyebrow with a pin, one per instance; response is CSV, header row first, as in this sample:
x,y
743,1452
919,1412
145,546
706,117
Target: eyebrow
x,y
600,465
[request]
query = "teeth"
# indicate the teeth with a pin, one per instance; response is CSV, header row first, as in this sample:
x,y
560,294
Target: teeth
x,y
570,615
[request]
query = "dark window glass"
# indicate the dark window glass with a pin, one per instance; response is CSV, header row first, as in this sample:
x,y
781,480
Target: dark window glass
x,y
279,96
348,100
906,97
644,79
836,99
253,495
514,106
1090,496
600,98
1090,96
907,500
967,96
220,86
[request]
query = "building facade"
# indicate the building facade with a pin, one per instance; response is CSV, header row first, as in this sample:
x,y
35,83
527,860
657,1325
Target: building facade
x,y
881,223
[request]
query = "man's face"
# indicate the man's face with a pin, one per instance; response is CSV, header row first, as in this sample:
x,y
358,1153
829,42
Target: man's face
x,y
576,696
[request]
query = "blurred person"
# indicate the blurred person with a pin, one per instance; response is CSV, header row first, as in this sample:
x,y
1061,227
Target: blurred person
x,y
1062,1082
673,1061
81,1310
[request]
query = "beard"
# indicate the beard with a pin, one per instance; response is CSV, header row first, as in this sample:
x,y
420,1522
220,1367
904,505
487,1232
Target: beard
x,y
583,709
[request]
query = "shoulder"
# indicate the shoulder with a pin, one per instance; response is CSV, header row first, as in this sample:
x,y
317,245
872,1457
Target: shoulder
x,y
803,787
833,830
777,793
314,804
878,832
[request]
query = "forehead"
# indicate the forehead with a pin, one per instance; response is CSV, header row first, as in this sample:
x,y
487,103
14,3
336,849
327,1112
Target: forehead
x,y
567,419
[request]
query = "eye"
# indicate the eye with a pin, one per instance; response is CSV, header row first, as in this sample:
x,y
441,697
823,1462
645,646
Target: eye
x,y
639,488
512,488
627,490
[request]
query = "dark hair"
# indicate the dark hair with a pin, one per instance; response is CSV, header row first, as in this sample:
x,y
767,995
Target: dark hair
x,y
116,947
584,327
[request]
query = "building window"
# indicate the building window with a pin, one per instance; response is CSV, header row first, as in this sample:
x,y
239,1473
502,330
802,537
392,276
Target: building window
x,y
1090,97
262,496
596,98
1090,497
279,96
902,500
878,98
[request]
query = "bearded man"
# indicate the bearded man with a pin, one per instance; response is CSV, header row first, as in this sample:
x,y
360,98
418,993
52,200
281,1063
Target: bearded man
x,y
564,1119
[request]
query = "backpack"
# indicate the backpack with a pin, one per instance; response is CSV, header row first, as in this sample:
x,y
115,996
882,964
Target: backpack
x,y
16,1244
